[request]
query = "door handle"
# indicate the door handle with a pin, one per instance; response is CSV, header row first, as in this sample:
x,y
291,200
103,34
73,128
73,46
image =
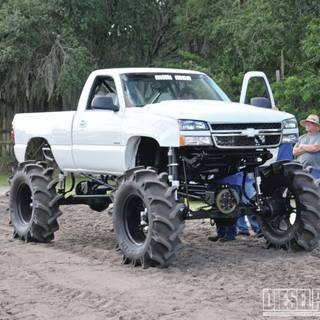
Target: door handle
x,y
82,124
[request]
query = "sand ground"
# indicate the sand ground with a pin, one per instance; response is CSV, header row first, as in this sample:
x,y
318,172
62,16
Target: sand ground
x,y
79,276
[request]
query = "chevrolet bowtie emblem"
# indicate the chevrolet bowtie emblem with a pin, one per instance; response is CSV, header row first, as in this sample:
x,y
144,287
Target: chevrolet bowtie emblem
x,y
250,132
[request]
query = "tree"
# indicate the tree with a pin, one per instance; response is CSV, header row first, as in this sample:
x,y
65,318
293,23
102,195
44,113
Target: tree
x,y
49,47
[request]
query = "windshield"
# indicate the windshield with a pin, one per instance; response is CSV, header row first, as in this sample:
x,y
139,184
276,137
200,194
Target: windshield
x,y
147,88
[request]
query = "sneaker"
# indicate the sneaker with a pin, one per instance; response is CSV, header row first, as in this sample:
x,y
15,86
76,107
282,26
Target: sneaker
x,y
243,233
214,238
226,239
259,234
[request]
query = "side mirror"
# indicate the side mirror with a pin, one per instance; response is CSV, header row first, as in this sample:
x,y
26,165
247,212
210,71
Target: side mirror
x,y
103,103
261,102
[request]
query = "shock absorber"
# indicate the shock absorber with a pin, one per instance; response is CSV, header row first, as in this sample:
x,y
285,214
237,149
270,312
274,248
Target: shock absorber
x,y
257,179
173,168
62,182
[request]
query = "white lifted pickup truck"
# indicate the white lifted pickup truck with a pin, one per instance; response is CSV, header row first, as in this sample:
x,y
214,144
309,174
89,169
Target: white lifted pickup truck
x,y
149,141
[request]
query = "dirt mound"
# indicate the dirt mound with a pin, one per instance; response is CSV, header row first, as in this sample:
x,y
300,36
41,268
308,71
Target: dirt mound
x,y
79,275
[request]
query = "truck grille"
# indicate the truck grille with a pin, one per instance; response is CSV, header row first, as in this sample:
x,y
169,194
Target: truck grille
x,y
247,135
243,126
241,141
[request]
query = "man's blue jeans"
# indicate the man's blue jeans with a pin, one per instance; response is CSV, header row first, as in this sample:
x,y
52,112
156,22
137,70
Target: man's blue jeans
x,y
316,173
227,231
230,230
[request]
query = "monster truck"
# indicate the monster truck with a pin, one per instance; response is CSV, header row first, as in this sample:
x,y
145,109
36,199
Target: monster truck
x,y
147,142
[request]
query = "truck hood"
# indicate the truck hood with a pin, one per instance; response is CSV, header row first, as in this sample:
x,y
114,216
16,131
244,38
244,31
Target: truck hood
x,y
216,111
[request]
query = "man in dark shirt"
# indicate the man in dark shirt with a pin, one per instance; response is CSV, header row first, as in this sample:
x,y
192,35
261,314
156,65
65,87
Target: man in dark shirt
x,y
307,149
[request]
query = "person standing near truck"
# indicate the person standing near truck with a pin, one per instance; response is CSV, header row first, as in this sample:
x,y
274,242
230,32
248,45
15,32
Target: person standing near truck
x,y
227,228
307,149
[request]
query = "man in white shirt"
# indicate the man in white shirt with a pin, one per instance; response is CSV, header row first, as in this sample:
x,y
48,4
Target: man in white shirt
x,y
307,149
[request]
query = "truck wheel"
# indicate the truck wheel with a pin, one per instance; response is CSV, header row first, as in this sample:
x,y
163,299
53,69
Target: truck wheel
x,y
147,219
33,208
294,200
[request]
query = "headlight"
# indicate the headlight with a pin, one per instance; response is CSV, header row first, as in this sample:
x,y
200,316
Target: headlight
x,y
195,141
290,123
290,138
192,125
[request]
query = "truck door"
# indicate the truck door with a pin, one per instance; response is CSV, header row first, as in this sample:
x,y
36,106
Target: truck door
x,y
256,90
97,132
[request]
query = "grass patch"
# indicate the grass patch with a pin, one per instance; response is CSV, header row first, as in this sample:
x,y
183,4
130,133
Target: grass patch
x,y
3,179
196,205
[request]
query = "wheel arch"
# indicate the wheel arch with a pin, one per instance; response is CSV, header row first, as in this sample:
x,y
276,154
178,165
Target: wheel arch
x,y
34,149
145,151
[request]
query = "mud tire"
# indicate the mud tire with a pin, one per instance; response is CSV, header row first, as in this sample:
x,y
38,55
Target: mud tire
x,y
142,190
33,203
304,232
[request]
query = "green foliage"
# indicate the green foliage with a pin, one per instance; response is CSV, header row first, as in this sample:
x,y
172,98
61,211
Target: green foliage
x,y
48,47
300,93
311,45
40,55
185,60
